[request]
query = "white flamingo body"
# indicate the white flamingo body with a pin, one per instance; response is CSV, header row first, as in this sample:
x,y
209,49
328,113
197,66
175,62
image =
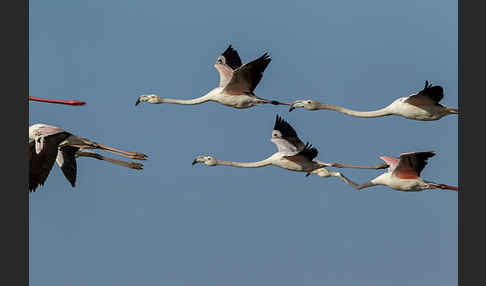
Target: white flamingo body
x,y
423,106
406,185
403,174
305,166
236,86
424,113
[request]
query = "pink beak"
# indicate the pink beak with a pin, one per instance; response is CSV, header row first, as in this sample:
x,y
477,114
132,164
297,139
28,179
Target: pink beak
x,y
66,102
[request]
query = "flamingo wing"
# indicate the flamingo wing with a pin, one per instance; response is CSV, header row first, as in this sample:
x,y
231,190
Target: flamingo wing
x,y
430,95
287,139
228,61
411,164
231,58
67,162
40,163
225,74
246,78
392,162
307,154
38,169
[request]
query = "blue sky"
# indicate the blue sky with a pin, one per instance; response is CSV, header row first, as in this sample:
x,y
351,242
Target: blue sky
x,y
177,224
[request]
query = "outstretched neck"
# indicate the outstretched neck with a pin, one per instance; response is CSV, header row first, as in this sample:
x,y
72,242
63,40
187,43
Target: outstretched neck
x,y
257,164
199,100
356,186
377,113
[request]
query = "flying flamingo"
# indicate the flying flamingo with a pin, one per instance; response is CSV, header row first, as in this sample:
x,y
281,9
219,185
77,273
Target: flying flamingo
x,y
403,174
66,102
236,83
292,154
50,143
423,105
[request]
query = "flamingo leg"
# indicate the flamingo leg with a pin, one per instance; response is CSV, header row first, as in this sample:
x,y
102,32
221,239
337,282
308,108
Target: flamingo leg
x,y
445,187
275,102
338,165
131,165
66,102
93,145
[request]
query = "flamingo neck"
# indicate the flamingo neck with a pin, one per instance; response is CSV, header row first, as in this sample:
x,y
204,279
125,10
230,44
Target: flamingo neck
x,y
205,98
356,186
257,164
369,114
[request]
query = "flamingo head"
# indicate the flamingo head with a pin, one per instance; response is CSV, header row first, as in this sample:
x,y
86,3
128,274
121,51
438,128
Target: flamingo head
x,y
150,98
322,172
307,104
208,160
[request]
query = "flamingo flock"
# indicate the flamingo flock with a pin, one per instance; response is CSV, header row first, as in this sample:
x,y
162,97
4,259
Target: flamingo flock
x,y
237,82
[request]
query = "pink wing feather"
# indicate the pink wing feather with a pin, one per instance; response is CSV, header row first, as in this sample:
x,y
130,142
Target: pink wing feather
x,y
225,74
392,162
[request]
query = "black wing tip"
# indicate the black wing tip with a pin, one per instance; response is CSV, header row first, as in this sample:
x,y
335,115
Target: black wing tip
x,y
232,57
278,121
309,151
265,57
284,127
430,85
228,50
428,154
435,91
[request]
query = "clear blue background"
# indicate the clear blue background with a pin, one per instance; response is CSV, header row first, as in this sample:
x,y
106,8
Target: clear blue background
x,y
177,224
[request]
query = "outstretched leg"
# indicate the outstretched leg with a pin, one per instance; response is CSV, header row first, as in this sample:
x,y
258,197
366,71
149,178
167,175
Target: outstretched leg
x,y
445,187
87,144
338,165
274,102
131,165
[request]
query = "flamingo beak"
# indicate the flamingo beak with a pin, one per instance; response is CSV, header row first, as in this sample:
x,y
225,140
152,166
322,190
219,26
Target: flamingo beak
x,y
138,101
194,162
297,103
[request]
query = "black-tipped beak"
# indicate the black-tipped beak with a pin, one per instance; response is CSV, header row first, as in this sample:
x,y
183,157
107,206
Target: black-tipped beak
x,y
291,108
194,162
138,101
